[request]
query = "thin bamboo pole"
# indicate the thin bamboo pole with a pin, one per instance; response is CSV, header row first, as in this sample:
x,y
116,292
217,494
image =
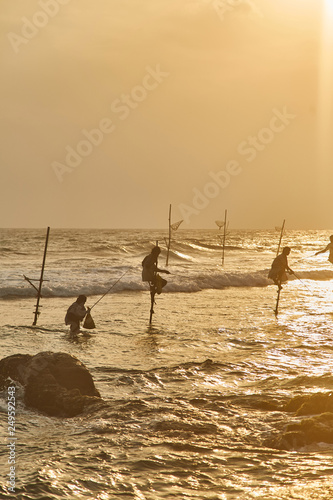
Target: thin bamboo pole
x,y
152,302
39,292
169,243
281,234
277,302
224,235
152,293
277,253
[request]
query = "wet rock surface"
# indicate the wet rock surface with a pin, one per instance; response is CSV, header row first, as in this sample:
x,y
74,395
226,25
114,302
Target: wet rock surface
x,y
311,423
57,384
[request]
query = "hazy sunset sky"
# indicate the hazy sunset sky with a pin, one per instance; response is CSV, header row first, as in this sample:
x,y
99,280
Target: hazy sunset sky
x,y
205,104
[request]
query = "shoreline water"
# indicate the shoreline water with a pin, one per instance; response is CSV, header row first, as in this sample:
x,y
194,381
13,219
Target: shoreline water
x,y
193,405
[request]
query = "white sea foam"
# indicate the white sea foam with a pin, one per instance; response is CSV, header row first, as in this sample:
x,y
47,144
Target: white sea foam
x,y
208,381
89,261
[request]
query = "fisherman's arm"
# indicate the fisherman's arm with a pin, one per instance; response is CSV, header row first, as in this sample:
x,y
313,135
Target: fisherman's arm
x,y
324,250
165,271
288,268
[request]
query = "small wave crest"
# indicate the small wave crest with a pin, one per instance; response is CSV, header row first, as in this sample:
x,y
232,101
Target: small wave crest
x,y
176,283
97,281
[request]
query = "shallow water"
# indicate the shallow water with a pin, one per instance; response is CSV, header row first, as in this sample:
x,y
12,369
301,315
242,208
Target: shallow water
x,y
194,406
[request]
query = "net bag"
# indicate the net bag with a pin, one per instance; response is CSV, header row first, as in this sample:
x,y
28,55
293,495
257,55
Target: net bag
x,y
89,322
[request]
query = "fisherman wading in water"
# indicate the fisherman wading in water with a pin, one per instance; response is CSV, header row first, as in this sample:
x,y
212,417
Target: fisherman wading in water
x,y
75,314
150,270
279,267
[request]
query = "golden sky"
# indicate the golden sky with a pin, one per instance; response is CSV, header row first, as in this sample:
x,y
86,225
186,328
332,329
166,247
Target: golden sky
x,y
113,109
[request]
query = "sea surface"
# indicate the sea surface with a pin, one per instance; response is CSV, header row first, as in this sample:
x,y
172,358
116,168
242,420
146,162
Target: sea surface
x,y
199,405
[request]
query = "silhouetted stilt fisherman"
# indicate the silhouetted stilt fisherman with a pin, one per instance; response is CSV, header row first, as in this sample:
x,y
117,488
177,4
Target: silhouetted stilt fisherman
x,y
278,271
150,273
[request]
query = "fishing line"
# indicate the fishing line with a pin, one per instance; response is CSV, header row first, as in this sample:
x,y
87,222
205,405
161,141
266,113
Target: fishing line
x,y
303,284
89,322
109,289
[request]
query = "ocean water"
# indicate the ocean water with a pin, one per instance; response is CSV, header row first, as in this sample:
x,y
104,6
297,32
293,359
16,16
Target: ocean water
x,y
194,406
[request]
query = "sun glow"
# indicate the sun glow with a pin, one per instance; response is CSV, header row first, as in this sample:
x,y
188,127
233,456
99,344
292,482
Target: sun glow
x,y
329,7
325,97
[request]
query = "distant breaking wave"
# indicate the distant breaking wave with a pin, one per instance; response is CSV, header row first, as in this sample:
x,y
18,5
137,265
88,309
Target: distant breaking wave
x,y
176,283
316,275
207,246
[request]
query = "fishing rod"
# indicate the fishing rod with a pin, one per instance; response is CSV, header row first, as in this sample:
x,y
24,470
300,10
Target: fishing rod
x,y
109,289
303,283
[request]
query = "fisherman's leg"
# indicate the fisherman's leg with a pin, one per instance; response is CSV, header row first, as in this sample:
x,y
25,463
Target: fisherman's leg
x,y
74,328
277,282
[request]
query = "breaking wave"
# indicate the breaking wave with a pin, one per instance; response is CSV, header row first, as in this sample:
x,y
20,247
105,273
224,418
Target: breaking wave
x,y
132,282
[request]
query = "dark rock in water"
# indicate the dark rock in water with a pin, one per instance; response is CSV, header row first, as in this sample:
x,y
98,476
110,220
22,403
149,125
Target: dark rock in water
x,y
312,423
311,404
55,383
307,431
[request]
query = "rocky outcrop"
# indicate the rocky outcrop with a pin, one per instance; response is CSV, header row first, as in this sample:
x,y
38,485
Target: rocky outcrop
x,y
57,384
310,404
305,432
311,423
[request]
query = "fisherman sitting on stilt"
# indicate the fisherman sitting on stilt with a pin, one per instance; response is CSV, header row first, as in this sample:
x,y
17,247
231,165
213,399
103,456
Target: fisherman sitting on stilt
x,y
150,270
279,267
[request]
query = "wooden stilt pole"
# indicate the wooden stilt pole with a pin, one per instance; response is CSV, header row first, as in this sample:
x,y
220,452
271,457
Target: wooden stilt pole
x,y
169,243
152,299
281,234
276,310
224,235
152,293
39,292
